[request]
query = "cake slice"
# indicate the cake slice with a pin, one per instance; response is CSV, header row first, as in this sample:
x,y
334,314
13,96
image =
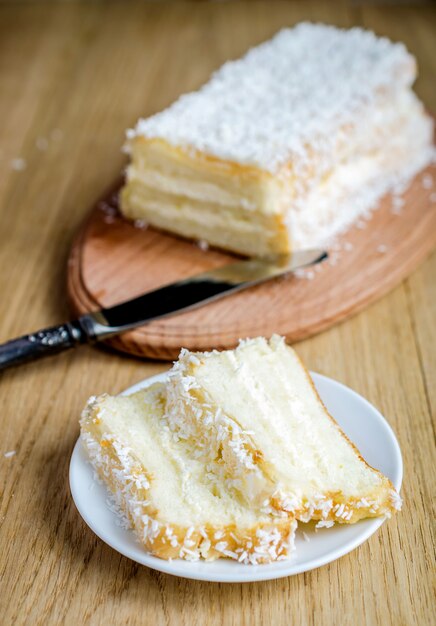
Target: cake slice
x,y
162,492
285,147
224,458
254,418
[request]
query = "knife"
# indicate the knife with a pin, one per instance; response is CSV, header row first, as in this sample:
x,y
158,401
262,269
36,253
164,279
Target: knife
x,y
168,300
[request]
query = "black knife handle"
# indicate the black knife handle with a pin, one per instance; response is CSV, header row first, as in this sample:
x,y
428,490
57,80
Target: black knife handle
x,y
41,343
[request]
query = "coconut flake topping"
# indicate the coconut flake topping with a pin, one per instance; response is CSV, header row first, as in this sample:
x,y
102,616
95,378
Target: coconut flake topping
x,y
287,96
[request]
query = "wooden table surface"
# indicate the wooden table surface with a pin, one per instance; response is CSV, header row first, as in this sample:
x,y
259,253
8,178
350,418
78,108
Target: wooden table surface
x,y
73,77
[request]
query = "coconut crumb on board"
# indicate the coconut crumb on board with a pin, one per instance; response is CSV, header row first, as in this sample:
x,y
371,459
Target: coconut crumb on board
x,y
427,181
141,224
382,249
203,245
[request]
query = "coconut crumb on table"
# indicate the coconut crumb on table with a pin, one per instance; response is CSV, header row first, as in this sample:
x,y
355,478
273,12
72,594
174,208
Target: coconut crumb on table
x,y
56,134
10,454
41,143
18,164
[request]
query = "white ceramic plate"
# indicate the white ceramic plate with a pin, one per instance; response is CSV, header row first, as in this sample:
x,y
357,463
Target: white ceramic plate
x,y
363,424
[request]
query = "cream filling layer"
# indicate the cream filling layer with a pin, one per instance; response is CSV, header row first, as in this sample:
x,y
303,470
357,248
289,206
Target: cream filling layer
x,y
198,190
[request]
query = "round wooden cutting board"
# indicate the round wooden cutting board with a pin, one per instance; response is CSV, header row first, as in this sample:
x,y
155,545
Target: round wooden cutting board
x,y
113,260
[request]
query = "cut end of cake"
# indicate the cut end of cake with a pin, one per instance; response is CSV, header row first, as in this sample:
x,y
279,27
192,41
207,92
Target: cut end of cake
x,y
225,457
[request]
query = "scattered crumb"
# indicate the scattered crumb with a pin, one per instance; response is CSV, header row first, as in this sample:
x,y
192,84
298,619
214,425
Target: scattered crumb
x,y
56,134
333,259
107,208
427,181
299,273
18,164
10,454
42,143
109,219
304,273
203,245
382,249
141,224
324,524
399,188
397,205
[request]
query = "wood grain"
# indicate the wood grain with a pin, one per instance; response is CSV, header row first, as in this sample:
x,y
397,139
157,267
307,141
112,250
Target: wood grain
x,y
89,70
112,261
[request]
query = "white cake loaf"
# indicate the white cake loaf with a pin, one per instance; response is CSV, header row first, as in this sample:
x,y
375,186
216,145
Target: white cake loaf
x,y
226,456
285,147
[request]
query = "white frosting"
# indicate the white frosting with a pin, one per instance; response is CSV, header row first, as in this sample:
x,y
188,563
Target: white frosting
x,y
285,98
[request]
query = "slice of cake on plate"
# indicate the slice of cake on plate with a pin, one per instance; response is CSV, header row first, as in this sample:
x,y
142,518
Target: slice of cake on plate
x,y
224,458
285,147
162,492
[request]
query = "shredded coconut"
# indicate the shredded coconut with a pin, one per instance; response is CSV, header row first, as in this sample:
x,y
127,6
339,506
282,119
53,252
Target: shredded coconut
x,y
382,249
427,181
56,134
18,164
325,524
42,143
303,84
203,245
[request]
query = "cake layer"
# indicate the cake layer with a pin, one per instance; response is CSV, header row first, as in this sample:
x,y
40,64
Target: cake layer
x,y
283,148
254,418
222,225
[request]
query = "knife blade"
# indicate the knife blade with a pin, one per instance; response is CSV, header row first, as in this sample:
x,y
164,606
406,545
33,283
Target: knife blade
x,y
168,300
